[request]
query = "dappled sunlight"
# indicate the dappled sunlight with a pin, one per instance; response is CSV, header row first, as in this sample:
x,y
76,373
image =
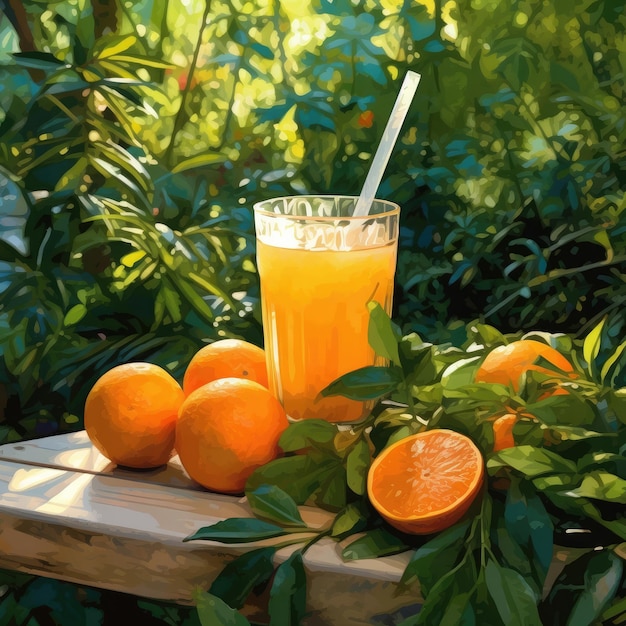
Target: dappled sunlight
x,y
71,496
27,479
86,458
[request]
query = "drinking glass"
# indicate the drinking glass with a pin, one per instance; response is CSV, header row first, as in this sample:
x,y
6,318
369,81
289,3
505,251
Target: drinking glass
x,y
319,267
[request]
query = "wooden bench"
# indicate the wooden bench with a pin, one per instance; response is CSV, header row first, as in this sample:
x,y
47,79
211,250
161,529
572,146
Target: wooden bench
x,y
66,512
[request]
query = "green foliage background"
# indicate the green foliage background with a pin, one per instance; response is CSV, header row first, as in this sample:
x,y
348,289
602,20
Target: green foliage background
x,y
135,137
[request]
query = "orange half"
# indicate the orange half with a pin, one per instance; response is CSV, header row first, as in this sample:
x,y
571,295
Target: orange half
x,y
426,482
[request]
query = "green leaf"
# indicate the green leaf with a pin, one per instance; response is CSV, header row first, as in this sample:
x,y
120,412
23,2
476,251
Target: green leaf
x,y
617,403
212,611
271,502
235,582
459,610
529,524
436,601
301,477
431,561
591,346
609,461
460,373
513,597
449,600
367,383
601,485
74,315
357,464
301,435
39,61
610,362
115,45
201,160
349,521
238,530
142,60
568,409
375,543
332,492
531,461
383,334
287,604
602,581
484,334
418,360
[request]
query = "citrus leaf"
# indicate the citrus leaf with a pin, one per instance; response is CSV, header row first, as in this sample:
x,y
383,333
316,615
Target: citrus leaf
x,y
235,582
357,464
528,523
569,409
531,461
513,597
377,542
435,602
212,611
602,581
418,360
431,561
608,461
367,383
448,601
383,335
601,485
349,521
238,530
271,502
300,435
287,604
300,476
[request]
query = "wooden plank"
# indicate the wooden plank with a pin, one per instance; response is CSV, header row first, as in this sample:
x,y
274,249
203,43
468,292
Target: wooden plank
x,y
126,535
74,451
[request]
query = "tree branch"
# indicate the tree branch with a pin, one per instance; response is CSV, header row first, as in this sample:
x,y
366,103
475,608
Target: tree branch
x,y
16,13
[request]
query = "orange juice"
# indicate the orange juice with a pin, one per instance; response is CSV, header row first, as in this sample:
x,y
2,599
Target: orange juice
x,y
316,282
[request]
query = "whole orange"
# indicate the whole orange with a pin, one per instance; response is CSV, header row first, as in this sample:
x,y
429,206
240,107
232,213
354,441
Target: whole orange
x,y
506,364
226,358
131,412
226,429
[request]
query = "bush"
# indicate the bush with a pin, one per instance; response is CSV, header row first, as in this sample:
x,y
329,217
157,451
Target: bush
x,y
150,131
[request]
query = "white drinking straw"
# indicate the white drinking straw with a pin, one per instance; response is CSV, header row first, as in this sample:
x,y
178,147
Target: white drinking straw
x,y
387,142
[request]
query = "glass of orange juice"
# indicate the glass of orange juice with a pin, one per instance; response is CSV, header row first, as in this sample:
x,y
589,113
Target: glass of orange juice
x,y
319,267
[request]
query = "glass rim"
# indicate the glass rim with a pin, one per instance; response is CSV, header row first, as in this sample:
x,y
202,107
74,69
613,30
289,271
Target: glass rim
x,y
393,209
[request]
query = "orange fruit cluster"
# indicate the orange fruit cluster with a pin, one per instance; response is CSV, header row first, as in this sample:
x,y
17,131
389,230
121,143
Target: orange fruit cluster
x,y
426,482
506,365
223,422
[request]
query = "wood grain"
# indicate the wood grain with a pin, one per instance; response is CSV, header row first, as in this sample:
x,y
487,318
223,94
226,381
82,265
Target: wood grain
x,y
65,512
